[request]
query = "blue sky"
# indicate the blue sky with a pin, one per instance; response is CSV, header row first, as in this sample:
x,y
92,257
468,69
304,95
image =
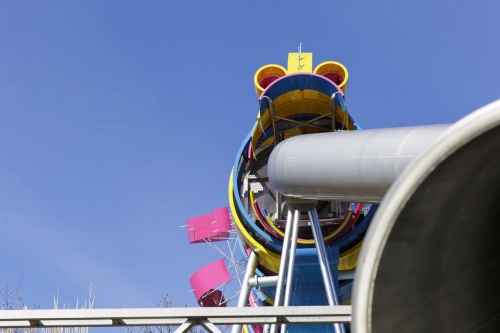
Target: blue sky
x,y
119,120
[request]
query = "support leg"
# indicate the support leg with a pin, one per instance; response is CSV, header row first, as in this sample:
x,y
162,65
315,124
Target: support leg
x,y
245,288
207,325
324,265
332,110
283,265
188,324
291,262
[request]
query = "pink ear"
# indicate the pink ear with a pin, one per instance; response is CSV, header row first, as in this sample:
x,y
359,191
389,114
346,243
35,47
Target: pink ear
x,y
214,226
208,278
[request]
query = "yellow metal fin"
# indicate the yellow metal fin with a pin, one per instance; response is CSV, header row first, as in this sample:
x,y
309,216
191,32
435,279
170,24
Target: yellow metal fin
x,y
300,62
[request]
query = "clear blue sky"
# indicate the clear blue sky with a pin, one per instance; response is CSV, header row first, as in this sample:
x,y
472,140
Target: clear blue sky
x,y
121,119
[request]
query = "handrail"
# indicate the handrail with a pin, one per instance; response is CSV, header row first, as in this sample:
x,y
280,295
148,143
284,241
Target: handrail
x,y
185,317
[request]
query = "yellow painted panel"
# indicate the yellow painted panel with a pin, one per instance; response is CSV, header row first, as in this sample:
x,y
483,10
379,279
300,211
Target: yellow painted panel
x,y
349,258
298,102
302,65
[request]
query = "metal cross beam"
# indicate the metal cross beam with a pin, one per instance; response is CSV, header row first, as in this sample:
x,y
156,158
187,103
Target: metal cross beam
x,y
185,318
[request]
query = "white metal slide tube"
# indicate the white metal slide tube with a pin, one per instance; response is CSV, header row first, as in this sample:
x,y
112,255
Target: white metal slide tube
x,y
356,166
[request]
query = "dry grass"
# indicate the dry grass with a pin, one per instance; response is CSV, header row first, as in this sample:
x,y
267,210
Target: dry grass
x,y
13,300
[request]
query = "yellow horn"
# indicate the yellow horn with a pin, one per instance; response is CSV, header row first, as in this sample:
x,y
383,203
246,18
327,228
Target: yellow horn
x,y
334,71
267,75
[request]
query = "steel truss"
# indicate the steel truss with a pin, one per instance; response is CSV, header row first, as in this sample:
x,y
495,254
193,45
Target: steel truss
x,y
185,318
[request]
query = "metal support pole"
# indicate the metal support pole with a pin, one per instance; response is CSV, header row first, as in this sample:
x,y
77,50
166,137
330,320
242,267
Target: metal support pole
x,y
245,288
186,326
209,327
264,281
278,205
275,135
332,110
283,265
291,262
273,118
324,265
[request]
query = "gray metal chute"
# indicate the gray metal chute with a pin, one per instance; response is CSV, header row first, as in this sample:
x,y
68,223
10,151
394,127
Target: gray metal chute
x,y
431,258
356,166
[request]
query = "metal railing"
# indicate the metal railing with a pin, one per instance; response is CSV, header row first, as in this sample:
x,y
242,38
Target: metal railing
x,y
185,318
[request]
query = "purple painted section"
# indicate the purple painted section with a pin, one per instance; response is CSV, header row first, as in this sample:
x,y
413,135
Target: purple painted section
x,y
214,226
208,278
212,298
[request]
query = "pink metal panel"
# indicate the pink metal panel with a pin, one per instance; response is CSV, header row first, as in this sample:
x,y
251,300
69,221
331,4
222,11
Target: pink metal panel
x,y
214,226
209,277
353,219
250,152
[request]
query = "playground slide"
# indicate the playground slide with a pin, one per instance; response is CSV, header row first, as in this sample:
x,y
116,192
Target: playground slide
x,y
303,131
293,102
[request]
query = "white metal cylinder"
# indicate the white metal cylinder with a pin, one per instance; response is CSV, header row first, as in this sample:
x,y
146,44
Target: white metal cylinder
x,y
347,165
431,258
